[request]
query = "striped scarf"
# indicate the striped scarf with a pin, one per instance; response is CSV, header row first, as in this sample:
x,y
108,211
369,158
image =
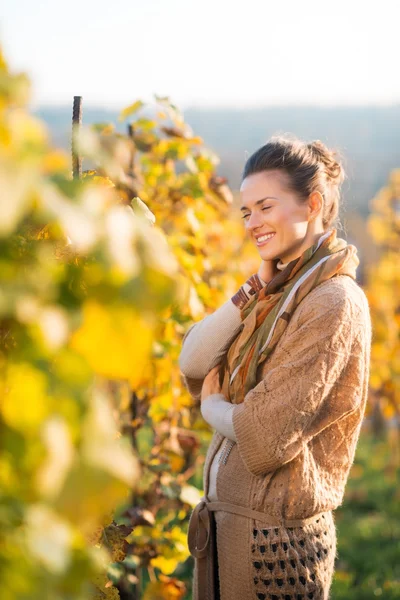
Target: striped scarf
x,y
267,313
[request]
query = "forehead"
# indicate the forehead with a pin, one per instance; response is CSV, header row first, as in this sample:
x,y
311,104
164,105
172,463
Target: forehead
x,y
265,183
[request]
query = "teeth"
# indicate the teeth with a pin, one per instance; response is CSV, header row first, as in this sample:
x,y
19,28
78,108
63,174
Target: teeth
x,y
265,237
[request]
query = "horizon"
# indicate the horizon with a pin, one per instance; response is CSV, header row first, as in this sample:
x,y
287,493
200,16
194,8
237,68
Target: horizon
x,y
106,108
216,57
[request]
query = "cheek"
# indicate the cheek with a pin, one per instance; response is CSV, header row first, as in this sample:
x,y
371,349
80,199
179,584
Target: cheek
x,y
280,218
292,219
289,225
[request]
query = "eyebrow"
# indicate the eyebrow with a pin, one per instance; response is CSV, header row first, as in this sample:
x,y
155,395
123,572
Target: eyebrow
x,y
259,202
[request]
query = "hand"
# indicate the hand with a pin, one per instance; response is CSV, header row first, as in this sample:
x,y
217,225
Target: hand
x,y
211,383
267,270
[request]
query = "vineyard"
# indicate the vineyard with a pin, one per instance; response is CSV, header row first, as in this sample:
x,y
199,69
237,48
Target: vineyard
x,y
101,275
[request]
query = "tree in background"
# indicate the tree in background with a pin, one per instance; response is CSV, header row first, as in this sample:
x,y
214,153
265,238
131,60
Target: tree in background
x,y
383,290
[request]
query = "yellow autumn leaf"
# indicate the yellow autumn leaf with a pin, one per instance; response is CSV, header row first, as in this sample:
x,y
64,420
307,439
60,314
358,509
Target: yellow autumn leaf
x,y
115,341
25,402
174,551
164,590
102,589
130,110
55,161
160,406
166,565
176,462
3,62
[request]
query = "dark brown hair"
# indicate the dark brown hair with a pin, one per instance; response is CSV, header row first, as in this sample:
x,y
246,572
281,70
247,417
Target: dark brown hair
x,y
310,166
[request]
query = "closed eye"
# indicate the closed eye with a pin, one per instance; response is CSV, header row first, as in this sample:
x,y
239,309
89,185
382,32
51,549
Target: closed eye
x,y
265,208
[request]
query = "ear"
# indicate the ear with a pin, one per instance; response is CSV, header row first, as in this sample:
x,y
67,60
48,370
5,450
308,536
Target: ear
x,y
315,204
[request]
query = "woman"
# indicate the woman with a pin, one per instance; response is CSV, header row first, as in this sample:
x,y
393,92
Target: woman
x,y
281,370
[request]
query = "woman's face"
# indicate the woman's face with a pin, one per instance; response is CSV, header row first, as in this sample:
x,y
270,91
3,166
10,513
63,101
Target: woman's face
x,y
276,222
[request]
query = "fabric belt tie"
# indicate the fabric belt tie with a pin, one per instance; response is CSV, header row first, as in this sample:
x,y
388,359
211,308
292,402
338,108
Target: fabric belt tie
x,y
201,537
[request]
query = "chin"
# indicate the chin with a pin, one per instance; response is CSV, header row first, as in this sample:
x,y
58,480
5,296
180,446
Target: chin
x,y
267,254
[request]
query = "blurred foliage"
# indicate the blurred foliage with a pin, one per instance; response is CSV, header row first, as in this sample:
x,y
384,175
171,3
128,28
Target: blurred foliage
x,y
81,278
383,291
173,173
94,303
368,522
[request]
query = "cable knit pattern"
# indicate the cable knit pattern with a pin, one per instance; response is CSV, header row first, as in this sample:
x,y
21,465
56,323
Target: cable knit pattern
x,y
297,432
312,389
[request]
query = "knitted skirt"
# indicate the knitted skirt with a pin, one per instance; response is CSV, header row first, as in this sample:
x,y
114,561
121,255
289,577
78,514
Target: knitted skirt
x,y
259,562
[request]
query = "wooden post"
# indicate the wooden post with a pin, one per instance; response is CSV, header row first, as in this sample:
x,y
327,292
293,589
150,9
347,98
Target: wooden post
x,y
131,169
76,125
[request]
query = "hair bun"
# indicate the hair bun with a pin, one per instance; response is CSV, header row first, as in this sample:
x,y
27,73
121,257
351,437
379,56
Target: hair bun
x,y
308,167
332,166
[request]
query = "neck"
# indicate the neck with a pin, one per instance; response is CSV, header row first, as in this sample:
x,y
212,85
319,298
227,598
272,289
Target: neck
x,y
308,241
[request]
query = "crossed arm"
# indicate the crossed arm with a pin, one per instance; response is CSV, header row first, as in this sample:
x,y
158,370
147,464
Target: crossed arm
x,y
204,345
314,379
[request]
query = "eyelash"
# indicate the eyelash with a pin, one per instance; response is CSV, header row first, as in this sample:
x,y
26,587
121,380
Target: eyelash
x,y
265,208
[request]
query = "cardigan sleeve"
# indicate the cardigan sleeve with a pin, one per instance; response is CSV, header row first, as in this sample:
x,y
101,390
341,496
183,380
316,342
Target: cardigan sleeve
x,y
302,392
217,411
206,342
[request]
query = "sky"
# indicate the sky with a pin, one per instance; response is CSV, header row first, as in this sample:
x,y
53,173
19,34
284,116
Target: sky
x,y
206,53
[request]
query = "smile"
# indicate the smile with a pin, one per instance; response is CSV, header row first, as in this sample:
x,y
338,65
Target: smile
x,y
264,239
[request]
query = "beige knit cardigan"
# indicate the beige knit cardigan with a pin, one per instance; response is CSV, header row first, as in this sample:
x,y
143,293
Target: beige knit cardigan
x,y
300,424
296,432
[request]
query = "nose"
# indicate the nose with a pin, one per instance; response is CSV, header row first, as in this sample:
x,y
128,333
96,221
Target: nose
x,y
254,221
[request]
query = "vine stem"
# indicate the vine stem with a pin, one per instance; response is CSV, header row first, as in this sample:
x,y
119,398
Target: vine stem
x,y
76,125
